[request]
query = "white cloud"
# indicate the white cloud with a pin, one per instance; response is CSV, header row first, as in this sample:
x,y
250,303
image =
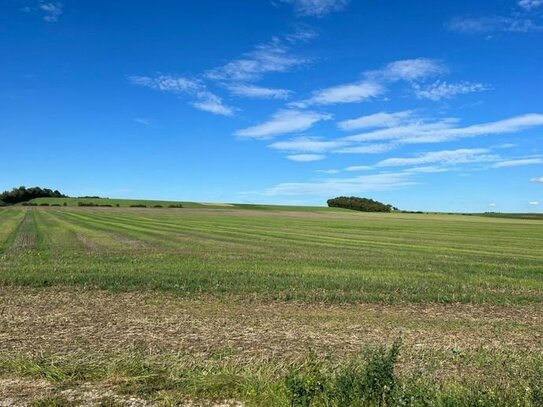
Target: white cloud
x,y
518,163
258,92
367,149
316,8
306,144
492,205
381,119
359,168
445,157
265,58
306,157
167,83
530,4
430,169
52,11
441,130
410,70
533,203
301,34
487,25
347,93
373,83
179,85
329,171
141,120
538,180
443,90
212,103
284,122
340,186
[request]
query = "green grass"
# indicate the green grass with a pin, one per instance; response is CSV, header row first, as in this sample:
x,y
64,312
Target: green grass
x,y
304,256
221,283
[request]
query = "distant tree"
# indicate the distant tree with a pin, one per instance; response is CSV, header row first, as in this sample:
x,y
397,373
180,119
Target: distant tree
x,y
360,204
23,194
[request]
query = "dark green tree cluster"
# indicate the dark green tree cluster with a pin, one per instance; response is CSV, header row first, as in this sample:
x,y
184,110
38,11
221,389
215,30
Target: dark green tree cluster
x,y
23,194
359,204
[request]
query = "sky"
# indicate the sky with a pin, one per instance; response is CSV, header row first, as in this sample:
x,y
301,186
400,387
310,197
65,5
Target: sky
x,y
427,105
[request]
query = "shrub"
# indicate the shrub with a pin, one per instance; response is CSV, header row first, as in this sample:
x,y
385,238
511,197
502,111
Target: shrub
x,y
64,204
105,205
370,381
307,383
175,206
86,204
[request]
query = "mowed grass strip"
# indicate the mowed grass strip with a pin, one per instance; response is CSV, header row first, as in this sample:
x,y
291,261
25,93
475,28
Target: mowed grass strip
x,y
302,256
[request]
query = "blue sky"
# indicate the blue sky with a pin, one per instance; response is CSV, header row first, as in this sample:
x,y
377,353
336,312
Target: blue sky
x,y
431,105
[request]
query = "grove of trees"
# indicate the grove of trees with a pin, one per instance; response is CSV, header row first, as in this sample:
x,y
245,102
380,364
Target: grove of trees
x,y
360,204
23,194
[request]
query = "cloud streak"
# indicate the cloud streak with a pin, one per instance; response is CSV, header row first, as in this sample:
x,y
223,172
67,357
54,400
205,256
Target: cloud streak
x,y
316,8
52,11
273,57
283,122
340,186
518,162
374,82
306,157
258,92
179,85
444,90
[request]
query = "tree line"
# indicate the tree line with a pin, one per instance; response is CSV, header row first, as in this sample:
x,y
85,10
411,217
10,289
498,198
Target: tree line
x,y
23,194
360,204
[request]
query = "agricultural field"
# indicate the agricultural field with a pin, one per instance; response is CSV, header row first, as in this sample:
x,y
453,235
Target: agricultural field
x,y
268,306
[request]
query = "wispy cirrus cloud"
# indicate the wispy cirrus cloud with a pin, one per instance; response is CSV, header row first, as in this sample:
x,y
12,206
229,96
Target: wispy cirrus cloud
x,y
209,102
374,82
409,70
530,4
537,180
284,122
375,148
167,83
52,11
340,186
490,24
346,93
518,162
307,144
358,168
142,120
444,157
258,92
316,8
522,20
444,90
306,157
179,85
381,119
273,57
424,130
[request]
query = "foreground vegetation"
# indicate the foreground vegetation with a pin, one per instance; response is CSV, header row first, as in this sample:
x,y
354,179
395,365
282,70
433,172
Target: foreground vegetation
x,y
269,307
